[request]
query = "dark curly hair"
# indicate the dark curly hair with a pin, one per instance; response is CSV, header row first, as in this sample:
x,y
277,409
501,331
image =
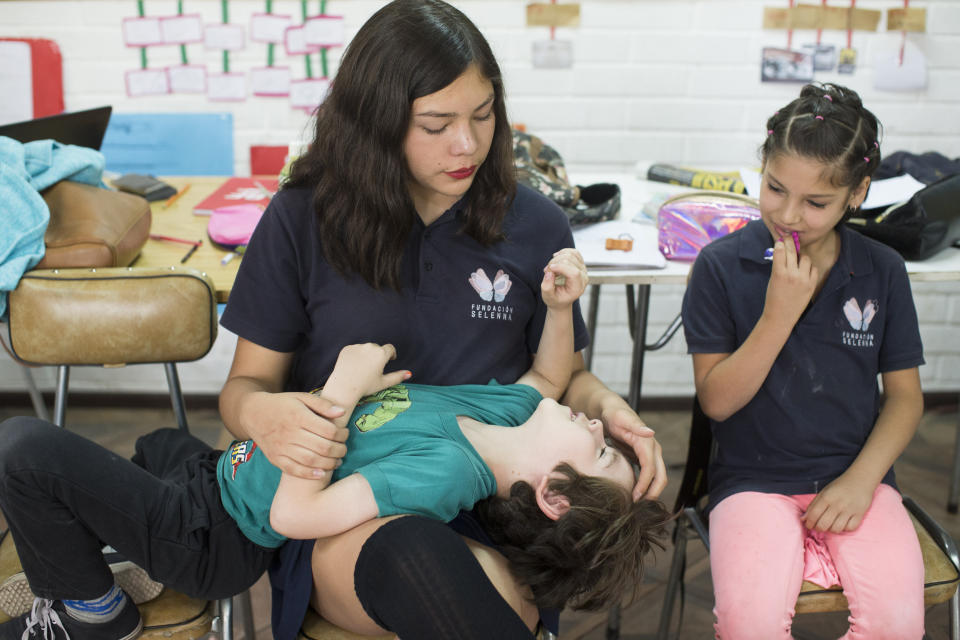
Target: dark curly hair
x,y
829,123
356,165
590,556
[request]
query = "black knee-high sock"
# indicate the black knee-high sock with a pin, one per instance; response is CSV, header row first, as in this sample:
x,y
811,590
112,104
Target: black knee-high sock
x,y
417,578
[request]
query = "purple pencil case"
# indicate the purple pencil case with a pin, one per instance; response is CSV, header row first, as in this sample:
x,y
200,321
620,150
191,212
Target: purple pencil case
x,y
688,222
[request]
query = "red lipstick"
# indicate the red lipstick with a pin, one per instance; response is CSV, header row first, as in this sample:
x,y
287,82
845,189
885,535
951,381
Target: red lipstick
x,y
461,174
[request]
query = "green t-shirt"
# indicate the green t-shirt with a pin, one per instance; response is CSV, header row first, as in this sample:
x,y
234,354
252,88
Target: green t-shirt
x,y
405,441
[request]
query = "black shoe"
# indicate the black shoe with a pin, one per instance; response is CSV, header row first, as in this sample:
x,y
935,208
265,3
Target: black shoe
x,y
49,620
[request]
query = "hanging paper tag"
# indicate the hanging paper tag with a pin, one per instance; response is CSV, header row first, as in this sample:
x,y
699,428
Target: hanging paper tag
x,y
308,94
268,27
187,78
847,61
223,37
227,87
785,65
824,56
891,73
142,32
270,81
147,82
181,29
324,31
553,54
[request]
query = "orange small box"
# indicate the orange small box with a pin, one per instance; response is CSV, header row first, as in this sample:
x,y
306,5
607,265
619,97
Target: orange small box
x,y
619,244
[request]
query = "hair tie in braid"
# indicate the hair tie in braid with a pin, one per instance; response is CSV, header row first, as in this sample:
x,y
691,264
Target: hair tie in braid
x,y
818,117
828,97
769,132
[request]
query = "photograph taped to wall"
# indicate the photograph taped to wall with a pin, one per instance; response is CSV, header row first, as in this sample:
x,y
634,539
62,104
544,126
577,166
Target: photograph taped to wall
x,y
294,39
227,87
268,27
785,65
824,56
187,78
147,82
324,31
270,81
142,32
847,60
182,29
223,37
309,93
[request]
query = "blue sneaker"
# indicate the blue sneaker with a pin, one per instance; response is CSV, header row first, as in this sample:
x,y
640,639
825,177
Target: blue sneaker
x,y
49,620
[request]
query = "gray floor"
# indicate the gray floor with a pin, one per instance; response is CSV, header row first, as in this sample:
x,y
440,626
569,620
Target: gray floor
x,y
923,473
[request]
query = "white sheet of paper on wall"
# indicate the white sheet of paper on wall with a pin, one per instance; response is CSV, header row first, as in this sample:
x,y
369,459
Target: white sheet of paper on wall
x,y
182,29
295,42
270,81
147,82
142,32
227,87
324,31
553,54
268,27
223,37
16,82
890,73
187,78
309,93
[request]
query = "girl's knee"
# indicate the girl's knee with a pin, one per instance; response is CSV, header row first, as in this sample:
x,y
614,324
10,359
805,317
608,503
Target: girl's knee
x,y
891,620
749,623
22,438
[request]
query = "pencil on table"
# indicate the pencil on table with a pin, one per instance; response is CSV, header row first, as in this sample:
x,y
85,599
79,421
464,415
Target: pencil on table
x,y
175,196
189,253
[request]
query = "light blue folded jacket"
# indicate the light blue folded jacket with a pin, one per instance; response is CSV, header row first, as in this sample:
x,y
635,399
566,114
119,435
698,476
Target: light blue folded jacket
x,y
25,170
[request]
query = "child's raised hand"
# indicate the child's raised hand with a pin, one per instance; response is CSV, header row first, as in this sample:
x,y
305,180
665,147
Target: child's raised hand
x,y
793,280
564,278
362,365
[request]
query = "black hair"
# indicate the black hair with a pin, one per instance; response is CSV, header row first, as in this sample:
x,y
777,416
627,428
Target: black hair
x,y
356,164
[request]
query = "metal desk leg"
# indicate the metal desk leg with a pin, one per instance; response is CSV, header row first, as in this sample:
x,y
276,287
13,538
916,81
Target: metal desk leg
x,y
955,475
592,323
638,327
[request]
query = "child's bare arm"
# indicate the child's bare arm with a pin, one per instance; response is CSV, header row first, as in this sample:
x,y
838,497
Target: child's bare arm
x,y
340,507
726,382
358,372
553,363
840,506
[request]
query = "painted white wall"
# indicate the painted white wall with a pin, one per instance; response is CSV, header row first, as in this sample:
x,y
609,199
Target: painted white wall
x,y
654,80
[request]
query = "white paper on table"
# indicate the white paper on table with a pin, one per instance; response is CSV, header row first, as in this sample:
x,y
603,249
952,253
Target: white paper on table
x,y
891,191
223,37
751,180
591,241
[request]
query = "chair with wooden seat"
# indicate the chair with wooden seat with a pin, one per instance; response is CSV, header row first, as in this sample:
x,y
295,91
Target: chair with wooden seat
x,y
940,558
112,317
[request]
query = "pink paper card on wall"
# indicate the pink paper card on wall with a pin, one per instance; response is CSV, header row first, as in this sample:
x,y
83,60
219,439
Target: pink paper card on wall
x,y
270,81
268,27
181,29
142,32
187,78
295,42
227,87
307,94
324,31
223,37
147,82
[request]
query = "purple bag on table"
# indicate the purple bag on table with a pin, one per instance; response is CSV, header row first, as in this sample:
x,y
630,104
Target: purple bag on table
x,y
688,222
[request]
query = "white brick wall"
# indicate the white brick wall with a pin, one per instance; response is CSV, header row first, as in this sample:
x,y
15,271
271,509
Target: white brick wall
x,y
654,80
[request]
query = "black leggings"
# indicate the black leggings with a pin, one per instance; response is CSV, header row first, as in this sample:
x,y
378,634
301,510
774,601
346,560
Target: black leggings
x,y
417,578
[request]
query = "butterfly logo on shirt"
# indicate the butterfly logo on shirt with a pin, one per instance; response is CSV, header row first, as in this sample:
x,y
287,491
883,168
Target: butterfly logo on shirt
x,y
859,319
494,291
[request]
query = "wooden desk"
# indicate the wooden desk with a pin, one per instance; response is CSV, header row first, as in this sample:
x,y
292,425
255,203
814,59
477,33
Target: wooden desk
x,y
179,221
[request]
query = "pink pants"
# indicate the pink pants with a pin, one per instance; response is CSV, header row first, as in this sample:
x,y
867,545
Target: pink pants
x,y
757,558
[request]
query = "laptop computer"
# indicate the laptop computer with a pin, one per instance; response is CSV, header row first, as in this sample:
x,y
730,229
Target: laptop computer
x,y
83,128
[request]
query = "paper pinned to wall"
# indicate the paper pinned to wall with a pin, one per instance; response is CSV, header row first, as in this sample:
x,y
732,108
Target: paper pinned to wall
x,y
223,37
147,82
270,81
188,78
268,27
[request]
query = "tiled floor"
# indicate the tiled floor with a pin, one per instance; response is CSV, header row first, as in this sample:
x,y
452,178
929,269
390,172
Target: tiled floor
x,y
923,473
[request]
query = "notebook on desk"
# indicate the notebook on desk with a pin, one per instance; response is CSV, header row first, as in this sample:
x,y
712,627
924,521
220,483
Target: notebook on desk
x,y
82,128
643,252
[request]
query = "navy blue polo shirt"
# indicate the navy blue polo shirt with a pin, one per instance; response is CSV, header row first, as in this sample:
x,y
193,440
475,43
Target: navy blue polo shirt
x,y
446,330
818,404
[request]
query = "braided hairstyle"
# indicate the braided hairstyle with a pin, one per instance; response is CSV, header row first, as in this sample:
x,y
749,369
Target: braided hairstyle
x,y
828,123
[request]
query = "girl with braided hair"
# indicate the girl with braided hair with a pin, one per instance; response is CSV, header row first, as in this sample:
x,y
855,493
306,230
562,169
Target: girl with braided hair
x,y
790,320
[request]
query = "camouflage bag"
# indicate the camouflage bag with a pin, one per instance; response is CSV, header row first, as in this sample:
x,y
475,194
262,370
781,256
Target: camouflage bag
x,y
541,168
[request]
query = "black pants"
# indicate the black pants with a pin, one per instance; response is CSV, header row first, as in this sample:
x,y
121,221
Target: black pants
x,y
64,497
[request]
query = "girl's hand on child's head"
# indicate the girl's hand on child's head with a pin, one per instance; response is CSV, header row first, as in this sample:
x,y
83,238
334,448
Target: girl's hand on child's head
x,y
564,278
840,506
363,365
793,279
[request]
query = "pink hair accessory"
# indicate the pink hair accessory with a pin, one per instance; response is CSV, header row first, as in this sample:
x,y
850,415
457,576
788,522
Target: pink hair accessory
x,y
818,117
876,144
866,159
769,132
828,97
